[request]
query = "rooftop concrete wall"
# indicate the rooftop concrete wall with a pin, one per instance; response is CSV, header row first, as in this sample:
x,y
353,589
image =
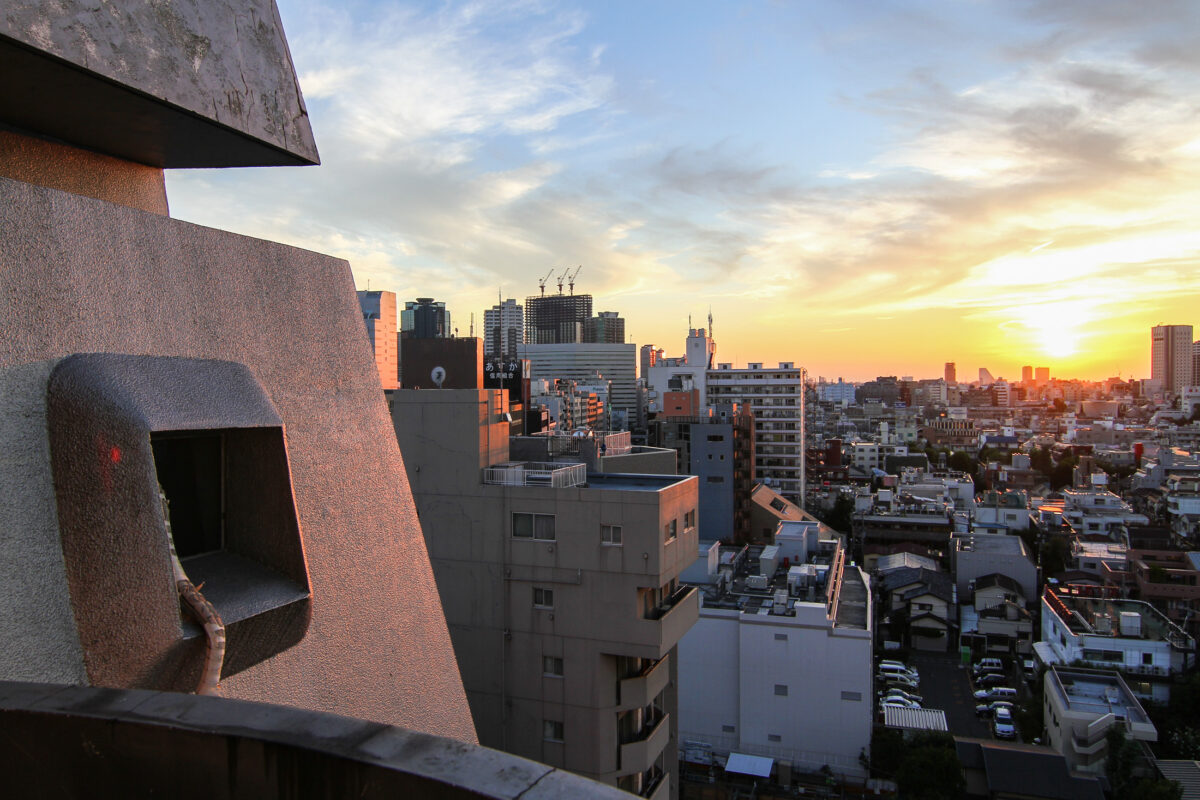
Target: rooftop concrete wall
x,y
83,275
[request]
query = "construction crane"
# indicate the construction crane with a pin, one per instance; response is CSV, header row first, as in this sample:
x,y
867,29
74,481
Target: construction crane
x,y
560,279
542,282
571,280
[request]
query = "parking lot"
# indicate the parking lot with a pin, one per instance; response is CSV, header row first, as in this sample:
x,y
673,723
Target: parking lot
x,y
945,685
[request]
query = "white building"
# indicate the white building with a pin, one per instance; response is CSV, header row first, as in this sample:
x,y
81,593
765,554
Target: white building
x,y
681,374
503,329
841,393
1128,635
783,671
775,395
616,363
1081,706
1094,510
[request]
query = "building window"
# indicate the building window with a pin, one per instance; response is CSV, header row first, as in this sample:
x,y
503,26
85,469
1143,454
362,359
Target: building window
x,y
610,534
670,530
728,729
857,696
774,737
552,730
533,526
715,479
552,665
689,520
1147,658
781,637
781,690
716,438
543,598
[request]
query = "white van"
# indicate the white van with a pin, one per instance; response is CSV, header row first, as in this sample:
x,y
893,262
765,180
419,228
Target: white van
x,y
888,671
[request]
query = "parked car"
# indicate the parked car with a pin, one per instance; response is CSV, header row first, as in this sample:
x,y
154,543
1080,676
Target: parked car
x,y
1002,724
996,693
896,692
897,669
990,679
1029,669
893,664
985,664
987,709
898,682
897,702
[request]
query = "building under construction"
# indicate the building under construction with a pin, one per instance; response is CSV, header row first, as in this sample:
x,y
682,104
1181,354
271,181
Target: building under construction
x,y
557,318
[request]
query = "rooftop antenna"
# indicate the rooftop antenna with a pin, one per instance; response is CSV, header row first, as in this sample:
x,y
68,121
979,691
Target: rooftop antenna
x,y
710,333
571,280
542,282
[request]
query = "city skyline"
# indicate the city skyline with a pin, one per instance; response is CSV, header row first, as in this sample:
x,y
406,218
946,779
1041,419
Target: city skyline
x,y
863,191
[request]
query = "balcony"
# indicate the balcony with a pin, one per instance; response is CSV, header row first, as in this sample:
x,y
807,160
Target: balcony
x,y
653,637
557,475
640,754
79,741
642,689
660,789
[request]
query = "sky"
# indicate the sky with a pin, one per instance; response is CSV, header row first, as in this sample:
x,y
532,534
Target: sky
x,y
862,188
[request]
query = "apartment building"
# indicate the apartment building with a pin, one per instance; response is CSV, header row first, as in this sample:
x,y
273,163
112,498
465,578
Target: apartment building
x,y
779,663
1083,625
775,395
503,330
560,588
1081,706
1099,511
1171,357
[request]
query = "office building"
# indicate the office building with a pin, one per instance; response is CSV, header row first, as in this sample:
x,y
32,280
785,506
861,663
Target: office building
x,y
379,314
607,327
1027,376
1171,357
583,363
503,330
1041,376
425,319
680,374
560,587
951,373
557,318
779,663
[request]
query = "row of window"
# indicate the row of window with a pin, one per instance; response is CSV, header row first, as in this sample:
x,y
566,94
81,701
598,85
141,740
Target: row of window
x,y
526,525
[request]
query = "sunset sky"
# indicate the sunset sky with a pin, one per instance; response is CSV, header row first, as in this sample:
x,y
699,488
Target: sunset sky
x,y
863,188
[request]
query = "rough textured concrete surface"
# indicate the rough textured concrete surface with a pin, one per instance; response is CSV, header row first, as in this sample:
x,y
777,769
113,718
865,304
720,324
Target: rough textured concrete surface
x,y
82,275
150,71
73,170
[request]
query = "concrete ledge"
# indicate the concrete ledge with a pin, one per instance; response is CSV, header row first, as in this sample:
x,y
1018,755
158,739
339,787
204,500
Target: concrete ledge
x,y
69,741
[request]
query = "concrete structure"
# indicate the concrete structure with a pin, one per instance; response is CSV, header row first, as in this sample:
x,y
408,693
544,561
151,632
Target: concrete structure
x,y
139,350
1002,512
1171,357
379,314
503,330
1128,635
1099,511
1081,706
581,362
682,374
779,663
1170,581
560,590
775,396
974,556
441,363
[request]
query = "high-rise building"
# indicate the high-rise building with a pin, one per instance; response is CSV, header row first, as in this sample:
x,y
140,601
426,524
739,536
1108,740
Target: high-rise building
x,y
607,327
561,590
503,330
985,377
650,356
425,319
379,314
951,374
557,318
1027,376
775,395
1041,376
1195,362
1171,356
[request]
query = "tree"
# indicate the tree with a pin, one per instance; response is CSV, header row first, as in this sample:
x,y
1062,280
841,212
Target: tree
x,y
1123,755
931,769
1063,473
840,516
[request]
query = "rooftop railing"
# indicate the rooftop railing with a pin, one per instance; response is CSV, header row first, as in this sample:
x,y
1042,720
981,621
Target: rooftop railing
x,y
556,475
